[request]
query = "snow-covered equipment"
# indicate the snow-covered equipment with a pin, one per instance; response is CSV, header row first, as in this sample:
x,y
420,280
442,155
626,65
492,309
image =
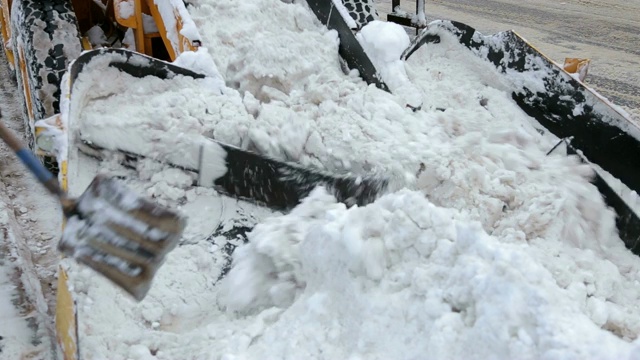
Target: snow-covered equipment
x,y
563,106
110,228
233,171
120,234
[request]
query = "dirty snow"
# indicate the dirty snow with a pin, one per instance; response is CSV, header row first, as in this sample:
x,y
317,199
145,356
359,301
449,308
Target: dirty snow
x,y
29,220
15,334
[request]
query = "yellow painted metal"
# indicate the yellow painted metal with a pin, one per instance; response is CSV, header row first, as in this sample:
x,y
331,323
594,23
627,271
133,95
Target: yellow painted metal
x,y
133,22
63,175
66,324
143,41
183,42
129,22
86,45
139,29
5,30
55,121
66,314
39,152
153,8
25,85
577,66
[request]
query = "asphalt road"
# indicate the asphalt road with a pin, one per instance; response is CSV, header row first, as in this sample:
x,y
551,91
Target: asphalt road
x,y
605,31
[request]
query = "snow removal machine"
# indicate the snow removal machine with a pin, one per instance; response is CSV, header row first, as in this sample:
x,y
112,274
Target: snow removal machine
x,y
57,50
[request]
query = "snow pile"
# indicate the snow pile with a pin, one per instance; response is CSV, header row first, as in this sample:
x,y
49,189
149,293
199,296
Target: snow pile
x,y
495,250
265,57
404,279
200,62
163,118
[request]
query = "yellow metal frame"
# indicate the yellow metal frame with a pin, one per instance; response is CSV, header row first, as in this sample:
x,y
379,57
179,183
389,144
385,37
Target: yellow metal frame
x,y
25,84
577,66
143,41
66,316
66,319
5,29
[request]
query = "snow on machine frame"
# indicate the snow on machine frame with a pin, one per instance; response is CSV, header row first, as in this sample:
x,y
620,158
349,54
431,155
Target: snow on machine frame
x,y
591,127
40,39
590,130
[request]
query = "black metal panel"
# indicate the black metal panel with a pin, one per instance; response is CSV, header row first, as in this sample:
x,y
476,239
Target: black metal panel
x,y
132,63
250,176
627,220
281,185
603,135
350,49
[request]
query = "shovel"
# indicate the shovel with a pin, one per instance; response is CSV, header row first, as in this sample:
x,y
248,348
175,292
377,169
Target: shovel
x,y
109,228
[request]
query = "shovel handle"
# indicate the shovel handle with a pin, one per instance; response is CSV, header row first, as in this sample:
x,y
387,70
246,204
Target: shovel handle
x,y
30,161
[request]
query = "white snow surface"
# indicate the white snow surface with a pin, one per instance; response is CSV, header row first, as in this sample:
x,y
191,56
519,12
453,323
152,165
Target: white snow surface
x,y
384,43
126,9
171,12
14,330
492,250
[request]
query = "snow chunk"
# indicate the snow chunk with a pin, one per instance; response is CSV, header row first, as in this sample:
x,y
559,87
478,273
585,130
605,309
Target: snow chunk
x,y
126,8
200,62
384,43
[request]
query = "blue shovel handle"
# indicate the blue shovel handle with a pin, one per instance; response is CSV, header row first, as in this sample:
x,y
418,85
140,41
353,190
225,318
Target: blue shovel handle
x,y
34,164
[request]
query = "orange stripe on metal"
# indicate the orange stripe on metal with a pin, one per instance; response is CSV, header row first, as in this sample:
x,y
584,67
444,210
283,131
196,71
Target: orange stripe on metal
x,y
5,30
25,85
66,314
66,326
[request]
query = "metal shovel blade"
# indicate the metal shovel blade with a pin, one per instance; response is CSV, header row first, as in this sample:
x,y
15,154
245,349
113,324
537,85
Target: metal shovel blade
x,y
120,234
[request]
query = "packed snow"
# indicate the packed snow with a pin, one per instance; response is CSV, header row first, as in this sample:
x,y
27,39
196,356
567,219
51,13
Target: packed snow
x,y
493,249
15,335
168,10
125,8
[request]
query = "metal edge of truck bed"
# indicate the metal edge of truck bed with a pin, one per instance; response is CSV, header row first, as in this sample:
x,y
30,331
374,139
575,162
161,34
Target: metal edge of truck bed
x,y
137,65
568,109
